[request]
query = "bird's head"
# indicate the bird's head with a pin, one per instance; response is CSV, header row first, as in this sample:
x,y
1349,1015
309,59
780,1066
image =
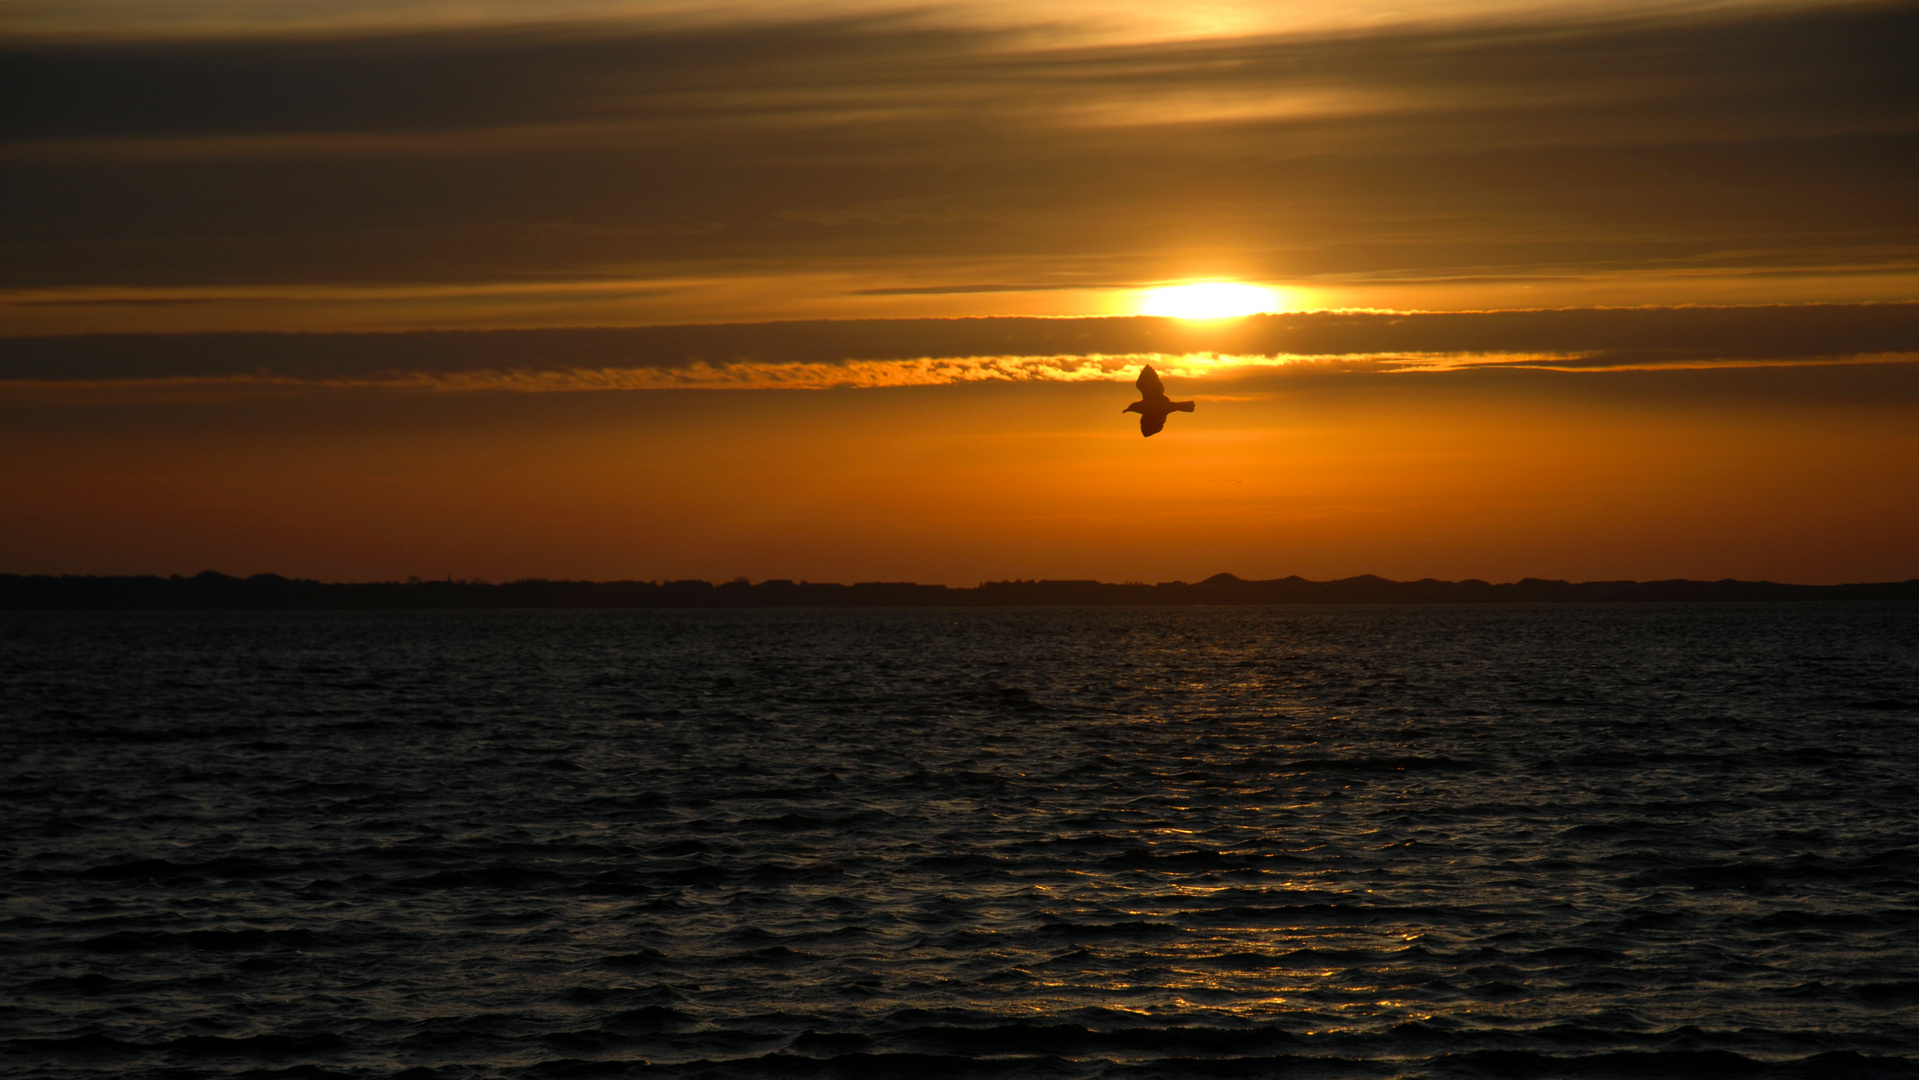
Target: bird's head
x,y
1134,407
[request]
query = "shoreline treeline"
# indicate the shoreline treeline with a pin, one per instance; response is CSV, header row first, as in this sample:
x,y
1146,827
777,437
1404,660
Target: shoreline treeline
x,y
214,591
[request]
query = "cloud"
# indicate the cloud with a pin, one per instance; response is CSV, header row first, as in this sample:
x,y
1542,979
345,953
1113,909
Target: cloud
x,y
1811,71
910,352
950,290
1781,141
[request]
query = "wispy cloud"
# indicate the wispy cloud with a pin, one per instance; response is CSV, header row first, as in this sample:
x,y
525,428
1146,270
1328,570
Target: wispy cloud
x,y
918,352
1648,77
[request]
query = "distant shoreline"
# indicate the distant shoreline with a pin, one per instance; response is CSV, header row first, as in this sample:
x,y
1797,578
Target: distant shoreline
x,y
270,592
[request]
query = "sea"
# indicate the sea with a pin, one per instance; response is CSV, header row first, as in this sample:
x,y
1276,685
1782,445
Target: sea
x,y
1630,840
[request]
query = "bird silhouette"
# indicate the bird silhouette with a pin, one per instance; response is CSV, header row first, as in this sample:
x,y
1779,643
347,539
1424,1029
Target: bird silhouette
x,y
1152,405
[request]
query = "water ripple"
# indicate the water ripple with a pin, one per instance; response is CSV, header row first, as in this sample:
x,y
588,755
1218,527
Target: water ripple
x,y
1593,841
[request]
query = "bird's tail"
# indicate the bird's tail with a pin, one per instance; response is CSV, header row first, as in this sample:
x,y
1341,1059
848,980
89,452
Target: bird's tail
x,y
1181,406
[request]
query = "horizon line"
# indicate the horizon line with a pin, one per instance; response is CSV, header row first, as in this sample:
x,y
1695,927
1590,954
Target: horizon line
x,y
212,590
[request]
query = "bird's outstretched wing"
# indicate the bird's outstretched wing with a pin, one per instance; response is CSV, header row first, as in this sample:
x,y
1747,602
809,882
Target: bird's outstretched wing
x,y
1150,423
1149,385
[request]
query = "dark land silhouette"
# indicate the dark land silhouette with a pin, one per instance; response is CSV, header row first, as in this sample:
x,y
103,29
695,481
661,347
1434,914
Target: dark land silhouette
x,y
214,591
1153,406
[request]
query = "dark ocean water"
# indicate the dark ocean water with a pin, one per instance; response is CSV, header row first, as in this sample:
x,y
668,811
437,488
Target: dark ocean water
x,y
1569,841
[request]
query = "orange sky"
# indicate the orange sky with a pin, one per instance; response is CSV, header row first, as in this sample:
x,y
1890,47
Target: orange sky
x,y
194,167
1788,474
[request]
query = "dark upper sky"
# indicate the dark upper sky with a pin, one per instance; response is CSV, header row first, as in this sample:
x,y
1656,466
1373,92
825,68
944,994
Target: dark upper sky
x,y
634,166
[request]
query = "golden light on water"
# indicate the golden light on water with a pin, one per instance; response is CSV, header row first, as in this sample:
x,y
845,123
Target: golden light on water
x,y
1209,300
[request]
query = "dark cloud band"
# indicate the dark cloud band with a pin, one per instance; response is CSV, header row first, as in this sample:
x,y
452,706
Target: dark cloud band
x,y
1594,337
1817,65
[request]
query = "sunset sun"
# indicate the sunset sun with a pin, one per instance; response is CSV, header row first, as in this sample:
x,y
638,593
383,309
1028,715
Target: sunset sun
x,y
1208,300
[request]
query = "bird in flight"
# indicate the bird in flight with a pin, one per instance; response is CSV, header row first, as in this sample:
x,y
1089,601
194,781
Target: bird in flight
x,y
1152,405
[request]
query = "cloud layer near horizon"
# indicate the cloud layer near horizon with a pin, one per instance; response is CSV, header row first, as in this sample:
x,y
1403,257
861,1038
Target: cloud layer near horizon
x,y
932,351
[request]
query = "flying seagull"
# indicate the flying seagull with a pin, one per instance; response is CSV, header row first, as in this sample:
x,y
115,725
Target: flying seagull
x,y
1152,405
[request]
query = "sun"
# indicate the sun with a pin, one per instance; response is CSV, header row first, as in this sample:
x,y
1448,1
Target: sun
x,y
1208,300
